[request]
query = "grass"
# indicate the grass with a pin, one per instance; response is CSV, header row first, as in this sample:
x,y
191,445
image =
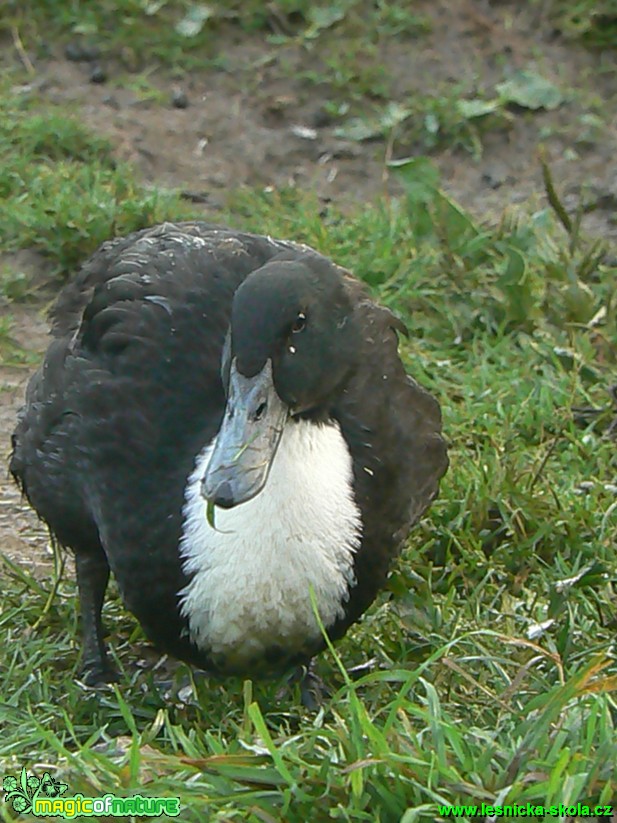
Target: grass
x,y
340,52
62,192
182,34
494,669
595,23
336,51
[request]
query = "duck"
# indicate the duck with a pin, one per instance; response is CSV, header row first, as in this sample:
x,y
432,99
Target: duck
x,y
222,421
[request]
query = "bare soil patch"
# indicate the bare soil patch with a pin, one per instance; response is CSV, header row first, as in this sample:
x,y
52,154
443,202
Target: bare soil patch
x,y
22,536
259,122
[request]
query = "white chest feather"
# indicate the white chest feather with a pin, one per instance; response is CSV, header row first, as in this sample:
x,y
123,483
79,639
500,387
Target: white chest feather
x,y
252,575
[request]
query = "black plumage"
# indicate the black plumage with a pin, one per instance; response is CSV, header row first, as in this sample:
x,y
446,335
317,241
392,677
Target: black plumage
x,y
133,387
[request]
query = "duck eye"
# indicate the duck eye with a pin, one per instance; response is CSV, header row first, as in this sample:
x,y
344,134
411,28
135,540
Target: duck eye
x,y
299,323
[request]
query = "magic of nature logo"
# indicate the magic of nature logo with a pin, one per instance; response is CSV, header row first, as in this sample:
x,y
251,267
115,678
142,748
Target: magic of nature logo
x,y
45,797
23,791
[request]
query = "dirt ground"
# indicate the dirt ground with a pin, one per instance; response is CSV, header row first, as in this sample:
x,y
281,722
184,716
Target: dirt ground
x,y
241,127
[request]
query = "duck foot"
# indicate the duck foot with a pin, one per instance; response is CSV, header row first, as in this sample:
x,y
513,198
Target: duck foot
x,y
313,691
179,691
356,672
96,673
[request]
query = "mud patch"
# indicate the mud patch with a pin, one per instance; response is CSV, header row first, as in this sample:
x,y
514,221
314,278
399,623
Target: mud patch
x,y
23,538
260,122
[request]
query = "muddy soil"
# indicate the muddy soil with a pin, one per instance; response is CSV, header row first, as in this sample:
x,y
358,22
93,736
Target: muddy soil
x,y
22,536
259,123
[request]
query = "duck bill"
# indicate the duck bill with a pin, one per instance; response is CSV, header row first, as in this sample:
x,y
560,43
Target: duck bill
x,y
247,441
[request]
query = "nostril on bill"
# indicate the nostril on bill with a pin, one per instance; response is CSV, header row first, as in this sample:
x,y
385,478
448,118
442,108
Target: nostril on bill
x,y
260,411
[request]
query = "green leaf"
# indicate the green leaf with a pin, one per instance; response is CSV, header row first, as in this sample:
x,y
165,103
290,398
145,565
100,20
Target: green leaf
x,y
368,128
531,91
194,20
517,286
358,129
579,302
470,109
154,7
419,176
262,730
210,514
323,18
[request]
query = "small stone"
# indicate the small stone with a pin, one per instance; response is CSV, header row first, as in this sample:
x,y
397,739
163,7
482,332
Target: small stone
x,y
98,75
81,52
321,118
185,694
179,100
304,132
73,52
496,176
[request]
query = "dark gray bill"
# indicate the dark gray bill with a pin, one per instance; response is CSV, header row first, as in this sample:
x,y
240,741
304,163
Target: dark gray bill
x,y
247,440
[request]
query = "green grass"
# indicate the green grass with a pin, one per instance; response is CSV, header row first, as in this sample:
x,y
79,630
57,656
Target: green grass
x,y
339,52
61,190
593,22
184,34
494,668
455,117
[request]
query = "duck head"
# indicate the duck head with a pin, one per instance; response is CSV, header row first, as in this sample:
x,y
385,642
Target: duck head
x,y
292,345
